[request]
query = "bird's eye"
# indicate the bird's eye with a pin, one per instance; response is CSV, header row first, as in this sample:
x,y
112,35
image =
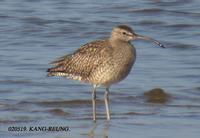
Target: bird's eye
x,y
124,33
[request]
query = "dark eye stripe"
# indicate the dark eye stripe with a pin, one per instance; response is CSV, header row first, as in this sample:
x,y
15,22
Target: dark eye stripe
x,y
124,33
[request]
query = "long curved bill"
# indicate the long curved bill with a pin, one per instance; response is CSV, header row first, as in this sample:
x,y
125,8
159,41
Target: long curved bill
x,y
149,39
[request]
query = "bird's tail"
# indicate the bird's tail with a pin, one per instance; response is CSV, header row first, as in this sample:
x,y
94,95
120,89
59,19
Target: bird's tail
x,y
56,71
59,71
50,73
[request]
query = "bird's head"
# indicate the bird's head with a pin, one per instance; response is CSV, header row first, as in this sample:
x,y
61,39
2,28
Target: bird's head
x,y
125,33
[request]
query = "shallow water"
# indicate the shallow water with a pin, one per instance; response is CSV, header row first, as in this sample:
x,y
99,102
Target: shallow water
x,y
35,32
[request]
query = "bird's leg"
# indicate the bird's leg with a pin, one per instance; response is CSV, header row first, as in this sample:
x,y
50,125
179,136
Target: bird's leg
x,y
94,102
106,99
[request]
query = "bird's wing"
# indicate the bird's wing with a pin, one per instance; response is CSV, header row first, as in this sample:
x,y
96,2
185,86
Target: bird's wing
x,y
82,62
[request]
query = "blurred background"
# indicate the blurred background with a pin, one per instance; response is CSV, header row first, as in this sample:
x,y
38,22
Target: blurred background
x,y
159,98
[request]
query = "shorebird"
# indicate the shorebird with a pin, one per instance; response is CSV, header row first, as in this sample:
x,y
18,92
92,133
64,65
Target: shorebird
x,y
101,62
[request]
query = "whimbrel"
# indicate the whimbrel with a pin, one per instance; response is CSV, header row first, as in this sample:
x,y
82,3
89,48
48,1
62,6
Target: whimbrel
x,y
101,62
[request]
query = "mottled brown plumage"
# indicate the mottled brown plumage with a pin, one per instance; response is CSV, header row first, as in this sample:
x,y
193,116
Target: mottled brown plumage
x,y
82,63
102,62
98,62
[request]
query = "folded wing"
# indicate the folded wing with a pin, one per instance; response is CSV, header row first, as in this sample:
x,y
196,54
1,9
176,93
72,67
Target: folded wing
x,y
83,62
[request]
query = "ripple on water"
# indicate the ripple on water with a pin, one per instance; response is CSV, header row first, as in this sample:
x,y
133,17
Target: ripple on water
x,y
147,11
14,121
171,3
69,103
152,22
183,26
58,112
136,113
15,81
180,46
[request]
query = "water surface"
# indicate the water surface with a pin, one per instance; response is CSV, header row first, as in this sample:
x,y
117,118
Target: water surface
x,y
35,32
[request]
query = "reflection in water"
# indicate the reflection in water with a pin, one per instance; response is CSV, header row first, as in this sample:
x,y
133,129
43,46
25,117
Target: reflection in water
x,y
33,32
106,130
92,133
